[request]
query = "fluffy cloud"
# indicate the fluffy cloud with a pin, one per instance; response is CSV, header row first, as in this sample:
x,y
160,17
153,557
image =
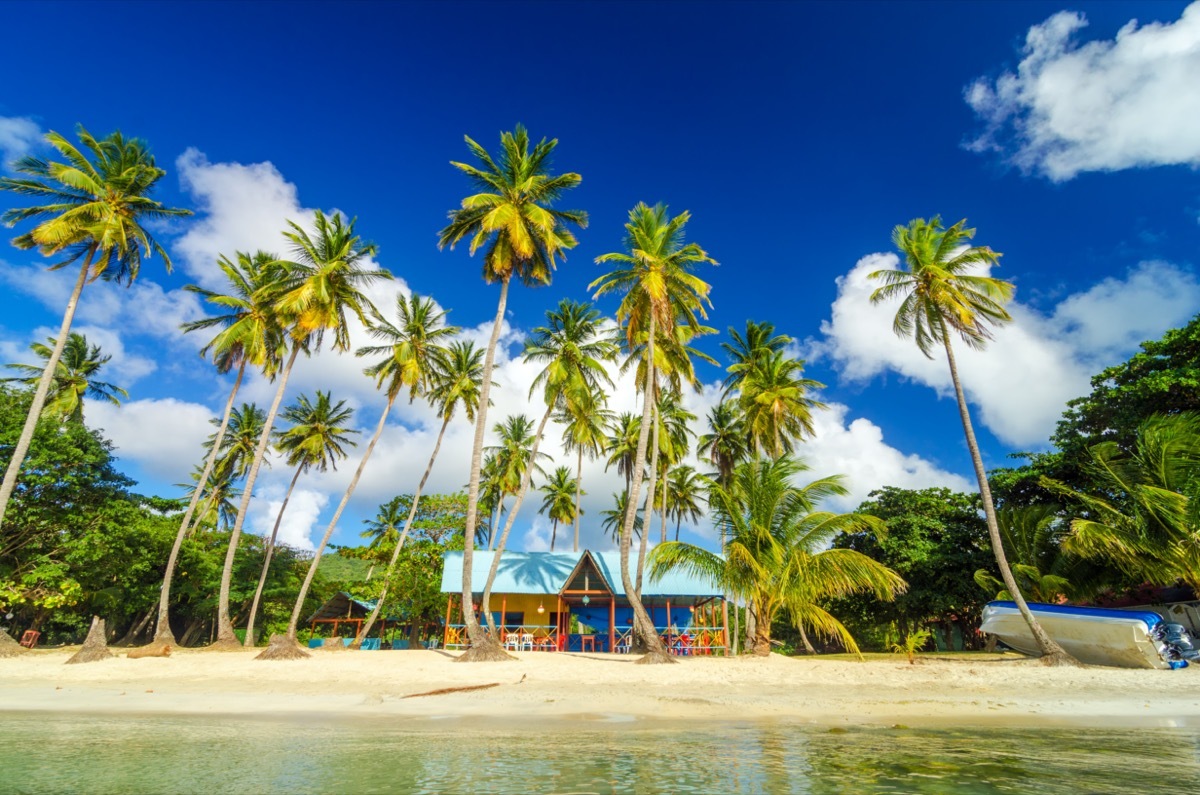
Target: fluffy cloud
x,y
1022,382
162,436
18,135
297,525
1101,106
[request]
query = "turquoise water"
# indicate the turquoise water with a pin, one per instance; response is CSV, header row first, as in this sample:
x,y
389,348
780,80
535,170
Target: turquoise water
x,y
84,753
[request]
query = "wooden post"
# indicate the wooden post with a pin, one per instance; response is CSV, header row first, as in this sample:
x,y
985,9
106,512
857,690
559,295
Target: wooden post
x,y
446,628
668,625
725,626
612,625
503,613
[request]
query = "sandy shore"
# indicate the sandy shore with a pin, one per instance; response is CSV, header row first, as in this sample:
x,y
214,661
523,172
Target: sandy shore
x,y
361,685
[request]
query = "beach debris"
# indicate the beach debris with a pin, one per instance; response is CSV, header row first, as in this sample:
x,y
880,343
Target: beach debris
x,y
9,647
95,646
441,691
282,647
152,649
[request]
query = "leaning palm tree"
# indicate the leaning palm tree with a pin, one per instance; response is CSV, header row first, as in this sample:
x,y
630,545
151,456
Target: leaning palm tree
x,y
413,350
658,292
777,553
330,271
559,500
776,409
512,219
585,421
318,439
941,298
74,378
97,204
249,335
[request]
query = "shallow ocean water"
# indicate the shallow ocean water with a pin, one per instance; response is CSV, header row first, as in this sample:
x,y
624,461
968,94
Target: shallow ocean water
x,y
210,755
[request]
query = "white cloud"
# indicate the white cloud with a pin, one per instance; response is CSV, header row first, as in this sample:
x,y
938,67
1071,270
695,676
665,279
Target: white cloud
x,y
18,135
1022,381
163,436
299,521
1100,106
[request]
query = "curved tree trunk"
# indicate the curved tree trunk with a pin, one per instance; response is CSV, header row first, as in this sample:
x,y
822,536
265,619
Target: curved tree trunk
x,y
162,632
43,389
412,512
648,512
312,569
262,578
225,635
759,633
578,492
1052,653
643,627
483,646
526,476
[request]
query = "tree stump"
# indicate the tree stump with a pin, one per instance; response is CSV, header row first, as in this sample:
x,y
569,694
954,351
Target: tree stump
x,y
9,647
153,649
95,646
282,647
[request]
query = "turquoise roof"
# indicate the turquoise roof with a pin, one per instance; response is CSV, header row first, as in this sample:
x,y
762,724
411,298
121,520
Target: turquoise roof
x,y
547,572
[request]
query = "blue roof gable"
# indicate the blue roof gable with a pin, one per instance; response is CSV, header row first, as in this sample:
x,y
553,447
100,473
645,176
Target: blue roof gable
x,y
547,572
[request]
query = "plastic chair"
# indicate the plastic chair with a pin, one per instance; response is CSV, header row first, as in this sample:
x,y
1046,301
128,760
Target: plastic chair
x,y
526,641
512,641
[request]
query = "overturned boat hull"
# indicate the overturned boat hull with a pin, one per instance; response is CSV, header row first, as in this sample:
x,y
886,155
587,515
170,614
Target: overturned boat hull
x,y
1092,635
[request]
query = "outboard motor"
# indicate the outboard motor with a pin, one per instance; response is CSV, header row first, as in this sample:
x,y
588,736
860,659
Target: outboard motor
x,y
1181,642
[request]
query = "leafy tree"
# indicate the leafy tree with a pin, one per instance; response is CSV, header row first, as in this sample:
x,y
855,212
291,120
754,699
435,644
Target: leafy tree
x,y
776,553
98,203
685,488
776,409
74,378
559,500
935,540
941,298
512,217
725,444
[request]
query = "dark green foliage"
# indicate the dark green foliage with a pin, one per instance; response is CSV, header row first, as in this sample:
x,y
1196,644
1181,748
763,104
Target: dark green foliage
x,y
936,540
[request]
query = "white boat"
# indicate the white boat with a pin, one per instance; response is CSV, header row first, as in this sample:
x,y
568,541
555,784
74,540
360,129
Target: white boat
x,y
1092,635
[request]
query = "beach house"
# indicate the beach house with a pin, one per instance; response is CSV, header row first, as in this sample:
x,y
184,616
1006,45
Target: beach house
x,y
575,601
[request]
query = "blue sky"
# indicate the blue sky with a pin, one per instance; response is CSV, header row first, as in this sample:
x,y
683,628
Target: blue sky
x,y
797,134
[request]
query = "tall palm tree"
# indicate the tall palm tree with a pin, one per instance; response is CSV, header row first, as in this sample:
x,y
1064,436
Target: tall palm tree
x,y
776,408
318,439
745,351
74,378
330,271
413,350
685,489
777,554
574,346
457,382
250,335
97,204
584,424
725,444
613,519
559,502
941,298
219,493
621,445
658,292
511,217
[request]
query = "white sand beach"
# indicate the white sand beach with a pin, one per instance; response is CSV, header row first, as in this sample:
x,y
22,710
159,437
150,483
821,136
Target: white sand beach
x,y
974,690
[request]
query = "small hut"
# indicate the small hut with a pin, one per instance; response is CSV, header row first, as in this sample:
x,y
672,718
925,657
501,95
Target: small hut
x,y
538,593
343,610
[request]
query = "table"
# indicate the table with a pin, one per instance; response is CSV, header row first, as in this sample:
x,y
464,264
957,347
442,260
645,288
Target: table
x,y
587,643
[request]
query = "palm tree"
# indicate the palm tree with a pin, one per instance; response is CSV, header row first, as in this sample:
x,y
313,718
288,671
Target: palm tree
x,y
685,489
941,297
584,424
1145,514
746,351
559,502
613,519
218,493
775,405
457,382
574,346
725,444
236,449
776,553
95,213
74,378
413,350
1033,536
318,439
326,281
385,528
658,292
512,218
250,335
621,445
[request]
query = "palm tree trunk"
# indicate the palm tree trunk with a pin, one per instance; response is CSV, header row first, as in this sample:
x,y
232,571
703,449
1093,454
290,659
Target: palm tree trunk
x,y
578,492
553,533
678,521
162,632
1052,653
225,635
412,512
43,388
648,512
483,647
662,512
643,627
808,647
526,476
312,569
262,578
